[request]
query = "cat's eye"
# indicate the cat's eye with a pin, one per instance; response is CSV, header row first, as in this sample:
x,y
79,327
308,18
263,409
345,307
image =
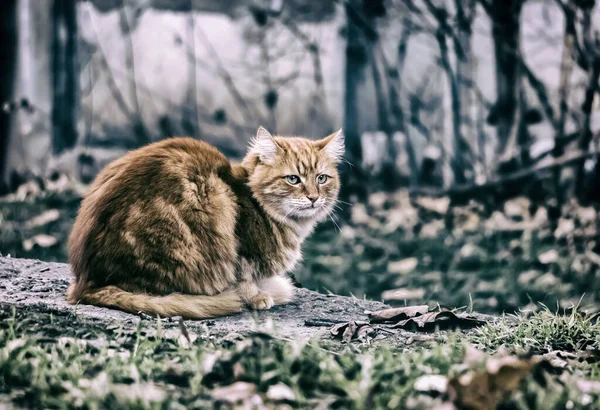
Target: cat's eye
x,y
293,179
321,179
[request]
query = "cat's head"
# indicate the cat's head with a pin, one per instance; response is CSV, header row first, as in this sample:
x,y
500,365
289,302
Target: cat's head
x,y
295,179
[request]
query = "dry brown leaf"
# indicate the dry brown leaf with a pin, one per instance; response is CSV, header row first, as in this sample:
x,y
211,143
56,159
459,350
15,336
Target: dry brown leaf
x,y
352,330
396,314
485,390
43,241
431,383
234,393
443,320
437,205
548,257
280,392
473,355
588,386
44,218
403,266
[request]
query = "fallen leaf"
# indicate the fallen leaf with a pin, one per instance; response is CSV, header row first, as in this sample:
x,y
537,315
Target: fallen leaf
x,y
359,215
404,294
431,383
593,257
43,241
44,218
437,205
280,392
588,386
234,393
517,208
442,320
473,355
565,228
548,257
485,389
403,266
352,330
396,314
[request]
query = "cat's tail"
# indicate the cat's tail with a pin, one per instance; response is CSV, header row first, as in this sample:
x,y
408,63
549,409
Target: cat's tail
x,y
176,304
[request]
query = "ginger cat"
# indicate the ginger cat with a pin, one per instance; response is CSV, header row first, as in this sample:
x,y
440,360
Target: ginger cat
x,y
174,229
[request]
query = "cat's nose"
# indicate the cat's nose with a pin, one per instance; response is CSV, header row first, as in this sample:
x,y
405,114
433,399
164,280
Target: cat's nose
x,y
312,198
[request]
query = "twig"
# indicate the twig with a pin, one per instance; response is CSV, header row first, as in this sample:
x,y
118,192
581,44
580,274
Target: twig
x,y
227,79
563,161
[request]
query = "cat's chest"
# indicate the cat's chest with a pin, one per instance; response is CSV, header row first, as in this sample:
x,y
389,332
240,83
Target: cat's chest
x,y
290,258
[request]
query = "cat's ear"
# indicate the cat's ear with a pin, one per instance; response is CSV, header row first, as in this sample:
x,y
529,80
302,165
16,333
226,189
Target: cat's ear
x,y
265,146
333,145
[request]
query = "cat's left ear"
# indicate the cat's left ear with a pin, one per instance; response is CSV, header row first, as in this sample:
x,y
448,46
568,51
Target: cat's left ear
x,y
333,145
265,146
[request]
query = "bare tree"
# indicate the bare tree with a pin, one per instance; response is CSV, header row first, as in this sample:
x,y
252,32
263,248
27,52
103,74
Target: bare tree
x,y
458,79
190,120
505,16
8,56
358,44
65,75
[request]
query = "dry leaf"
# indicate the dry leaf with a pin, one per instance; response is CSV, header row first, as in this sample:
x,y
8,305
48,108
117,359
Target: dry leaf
x,y
588,386
437,205
441,320
404,294
280,392
593,257
234,393
485,390
404,266
44,218
396,314
43,241
565,228
473,355
548,257
352,330
431,383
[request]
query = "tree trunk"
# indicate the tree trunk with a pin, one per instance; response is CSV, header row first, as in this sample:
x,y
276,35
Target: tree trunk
x,y
190,121
505,15
359,42
586,129
65,75
465,13
8,56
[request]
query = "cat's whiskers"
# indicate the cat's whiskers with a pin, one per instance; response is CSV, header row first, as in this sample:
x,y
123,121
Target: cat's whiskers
x,y
330,215
344,202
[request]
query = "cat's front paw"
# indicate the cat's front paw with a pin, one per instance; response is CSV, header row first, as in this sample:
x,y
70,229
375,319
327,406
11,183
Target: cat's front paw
x,y
261,301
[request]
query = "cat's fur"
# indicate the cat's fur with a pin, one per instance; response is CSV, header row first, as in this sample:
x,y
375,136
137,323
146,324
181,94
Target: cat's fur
x,y
174,229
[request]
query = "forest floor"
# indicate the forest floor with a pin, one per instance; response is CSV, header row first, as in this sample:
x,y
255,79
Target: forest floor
x,y
441,262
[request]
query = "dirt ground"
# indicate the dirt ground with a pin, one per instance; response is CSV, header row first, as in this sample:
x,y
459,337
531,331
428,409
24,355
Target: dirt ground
x,y
39,287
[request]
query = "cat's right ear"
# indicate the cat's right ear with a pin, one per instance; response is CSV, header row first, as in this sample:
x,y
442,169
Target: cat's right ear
x,y
265,146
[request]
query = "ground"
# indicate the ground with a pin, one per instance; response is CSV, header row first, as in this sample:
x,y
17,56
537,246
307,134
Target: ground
x,y
53,355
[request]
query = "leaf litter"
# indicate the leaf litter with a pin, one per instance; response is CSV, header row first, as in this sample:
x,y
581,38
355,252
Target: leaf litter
x,y
414,318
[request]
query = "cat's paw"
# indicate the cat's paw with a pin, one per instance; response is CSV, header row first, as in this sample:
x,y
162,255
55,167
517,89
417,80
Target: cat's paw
x,y
261,301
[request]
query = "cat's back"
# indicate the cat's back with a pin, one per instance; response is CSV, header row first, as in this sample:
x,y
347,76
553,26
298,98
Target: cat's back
x,y
155,168
168,194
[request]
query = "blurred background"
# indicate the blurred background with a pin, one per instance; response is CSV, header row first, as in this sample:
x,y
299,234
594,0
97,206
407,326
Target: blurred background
x,y
471,125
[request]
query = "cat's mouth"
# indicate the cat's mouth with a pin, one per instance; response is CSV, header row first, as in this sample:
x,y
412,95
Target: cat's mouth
x,y
308,211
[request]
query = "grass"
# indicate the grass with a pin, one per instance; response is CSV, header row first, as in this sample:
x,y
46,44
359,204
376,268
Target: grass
x,y
68,362
542,332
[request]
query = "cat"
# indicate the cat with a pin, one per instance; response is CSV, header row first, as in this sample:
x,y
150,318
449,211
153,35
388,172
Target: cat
x,y
174,229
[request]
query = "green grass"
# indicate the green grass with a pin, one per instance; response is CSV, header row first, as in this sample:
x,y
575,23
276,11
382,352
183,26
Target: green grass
x,y
58,361
541,332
